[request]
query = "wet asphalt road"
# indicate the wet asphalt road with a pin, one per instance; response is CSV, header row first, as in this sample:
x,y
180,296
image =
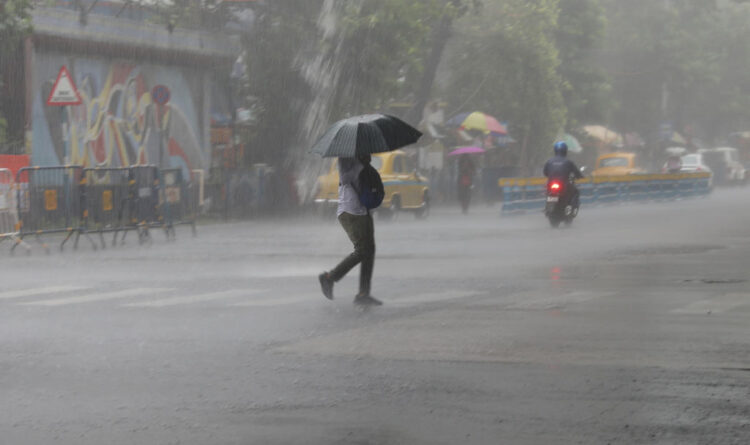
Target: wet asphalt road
x,y
632,327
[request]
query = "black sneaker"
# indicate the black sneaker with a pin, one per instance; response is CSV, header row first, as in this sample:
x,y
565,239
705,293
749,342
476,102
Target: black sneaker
x,y
326,285
367,300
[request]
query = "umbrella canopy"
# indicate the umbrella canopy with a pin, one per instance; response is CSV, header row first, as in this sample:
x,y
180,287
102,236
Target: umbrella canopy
x,y
370,133
466,151
602,134
634,140
478,121
573,145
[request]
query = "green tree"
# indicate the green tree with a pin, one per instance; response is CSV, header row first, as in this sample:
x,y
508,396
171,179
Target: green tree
x,y
660,56
449,12
505,63
385,49
15,24
579,37
722,103
301,65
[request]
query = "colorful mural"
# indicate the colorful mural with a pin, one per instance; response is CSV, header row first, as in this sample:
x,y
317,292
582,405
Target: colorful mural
x,y
118,124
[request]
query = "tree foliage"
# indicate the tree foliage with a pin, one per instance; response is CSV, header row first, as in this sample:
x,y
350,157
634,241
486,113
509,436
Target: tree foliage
x,y
541,65
371,54
15,24
681,62
580,33
505,63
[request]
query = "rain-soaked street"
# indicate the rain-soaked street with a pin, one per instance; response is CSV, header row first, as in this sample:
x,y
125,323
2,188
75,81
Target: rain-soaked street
x,y
630,327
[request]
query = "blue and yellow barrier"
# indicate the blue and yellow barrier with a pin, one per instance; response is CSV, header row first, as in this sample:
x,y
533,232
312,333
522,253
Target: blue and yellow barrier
x,y
521,194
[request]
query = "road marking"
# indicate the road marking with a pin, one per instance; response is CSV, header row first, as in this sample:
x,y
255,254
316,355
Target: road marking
x,y
138,292
199,298
431,297
719,304
434,297
556,302
269,302
39,291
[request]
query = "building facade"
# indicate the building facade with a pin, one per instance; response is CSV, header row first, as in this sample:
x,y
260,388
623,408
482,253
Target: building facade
x,y
116,55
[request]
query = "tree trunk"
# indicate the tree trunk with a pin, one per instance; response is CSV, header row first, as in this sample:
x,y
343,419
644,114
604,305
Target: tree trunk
x,y
439,41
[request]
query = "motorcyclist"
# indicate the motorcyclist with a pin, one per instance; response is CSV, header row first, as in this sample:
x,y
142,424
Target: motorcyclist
x,y
565,170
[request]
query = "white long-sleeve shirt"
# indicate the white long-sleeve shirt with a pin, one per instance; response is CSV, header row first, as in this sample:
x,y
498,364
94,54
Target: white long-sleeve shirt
x,y
349,169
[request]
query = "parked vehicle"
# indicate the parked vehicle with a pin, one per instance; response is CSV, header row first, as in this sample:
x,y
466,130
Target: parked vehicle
x,y
725,165
674,160
694,163
405,189
615,164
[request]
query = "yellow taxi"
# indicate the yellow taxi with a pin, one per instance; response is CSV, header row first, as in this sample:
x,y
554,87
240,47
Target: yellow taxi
x,y
616,164
405,189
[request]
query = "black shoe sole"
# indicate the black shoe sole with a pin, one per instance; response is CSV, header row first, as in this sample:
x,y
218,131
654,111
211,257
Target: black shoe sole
x,y
322,278
367,302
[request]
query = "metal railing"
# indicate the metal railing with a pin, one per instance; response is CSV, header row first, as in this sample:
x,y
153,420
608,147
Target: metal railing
x,y
73,200
521,194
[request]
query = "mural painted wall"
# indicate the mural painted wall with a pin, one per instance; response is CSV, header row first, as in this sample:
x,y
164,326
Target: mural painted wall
x,y
118,124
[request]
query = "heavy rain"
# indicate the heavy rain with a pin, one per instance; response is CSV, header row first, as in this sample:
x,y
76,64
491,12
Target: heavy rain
x,y
374,222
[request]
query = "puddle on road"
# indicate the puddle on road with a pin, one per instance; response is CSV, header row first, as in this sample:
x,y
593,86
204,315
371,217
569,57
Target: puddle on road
x,y
671,250
715,281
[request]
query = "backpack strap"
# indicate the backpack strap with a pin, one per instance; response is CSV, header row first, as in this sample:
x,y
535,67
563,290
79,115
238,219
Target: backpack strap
x,y
358,193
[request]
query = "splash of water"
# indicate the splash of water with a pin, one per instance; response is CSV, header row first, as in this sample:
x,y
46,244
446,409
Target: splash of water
x,y
321,66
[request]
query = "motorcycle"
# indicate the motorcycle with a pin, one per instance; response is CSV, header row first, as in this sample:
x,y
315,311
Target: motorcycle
x,y
562,202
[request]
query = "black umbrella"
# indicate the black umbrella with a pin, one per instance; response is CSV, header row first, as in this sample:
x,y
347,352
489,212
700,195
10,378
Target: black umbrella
x,y
370,133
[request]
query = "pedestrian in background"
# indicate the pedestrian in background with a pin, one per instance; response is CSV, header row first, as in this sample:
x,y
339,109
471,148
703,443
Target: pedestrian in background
x,y
357,222
466,171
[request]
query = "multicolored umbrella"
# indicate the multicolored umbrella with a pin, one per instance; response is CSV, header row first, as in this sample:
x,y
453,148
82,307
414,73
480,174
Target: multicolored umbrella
x,y
634,140
466,151
603,134
478,121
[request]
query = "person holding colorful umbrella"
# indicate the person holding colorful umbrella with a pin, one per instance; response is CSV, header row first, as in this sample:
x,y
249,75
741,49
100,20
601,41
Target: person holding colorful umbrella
x,y
466,171
478,121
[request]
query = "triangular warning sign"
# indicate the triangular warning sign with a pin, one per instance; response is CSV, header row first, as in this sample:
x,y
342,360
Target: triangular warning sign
x,y
64,91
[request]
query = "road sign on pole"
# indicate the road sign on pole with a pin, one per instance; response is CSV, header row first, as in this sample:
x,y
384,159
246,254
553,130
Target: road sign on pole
x,y
64,90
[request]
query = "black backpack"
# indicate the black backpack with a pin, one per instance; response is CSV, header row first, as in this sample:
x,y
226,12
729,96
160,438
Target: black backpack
x,y
371,191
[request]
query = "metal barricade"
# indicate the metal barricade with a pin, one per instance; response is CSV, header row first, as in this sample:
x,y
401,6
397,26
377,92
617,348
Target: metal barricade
x,y
141,207
521,194
179,200
108,207
197,189
49,201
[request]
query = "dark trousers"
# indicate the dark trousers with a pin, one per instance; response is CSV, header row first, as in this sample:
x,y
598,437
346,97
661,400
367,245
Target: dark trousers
x,y
464,197
361,232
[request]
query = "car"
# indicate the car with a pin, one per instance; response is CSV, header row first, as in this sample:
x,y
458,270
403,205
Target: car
x,y
694,163
689,163
405,188
725,164
616,164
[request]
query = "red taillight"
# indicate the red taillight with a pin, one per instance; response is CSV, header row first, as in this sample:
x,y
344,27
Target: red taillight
x,y
554,187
